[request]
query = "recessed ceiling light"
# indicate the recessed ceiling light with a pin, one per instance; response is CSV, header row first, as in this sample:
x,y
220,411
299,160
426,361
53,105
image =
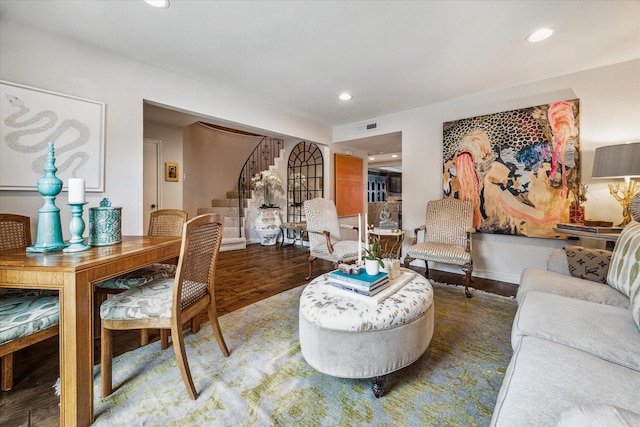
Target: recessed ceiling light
x,y
161,4
345,96
372,158
394,156
539,35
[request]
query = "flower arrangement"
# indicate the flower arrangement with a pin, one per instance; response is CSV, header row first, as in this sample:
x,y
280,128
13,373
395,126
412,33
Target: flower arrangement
x,y
267,181
297,187
299,180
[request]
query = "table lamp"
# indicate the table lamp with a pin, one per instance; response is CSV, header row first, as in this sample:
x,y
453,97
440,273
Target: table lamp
x,y
619,161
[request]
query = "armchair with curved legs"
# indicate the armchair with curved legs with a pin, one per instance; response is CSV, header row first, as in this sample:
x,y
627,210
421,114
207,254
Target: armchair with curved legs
x,y
170,302
447,237
324,233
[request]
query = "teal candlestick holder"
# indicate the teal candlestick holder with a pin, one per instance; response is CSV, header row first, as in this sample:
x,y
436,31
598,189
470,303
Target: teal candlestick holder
x,y
76,228
49,231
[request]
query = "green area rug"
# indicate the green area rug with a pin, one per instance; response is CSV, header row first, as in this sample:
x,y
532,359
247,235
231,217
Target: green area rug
x,y
266,382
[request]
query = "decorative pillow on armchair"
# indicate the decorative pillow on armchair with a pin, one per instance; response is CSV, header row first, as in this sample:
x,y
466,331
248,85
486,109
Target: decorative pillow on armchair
x,y
587,263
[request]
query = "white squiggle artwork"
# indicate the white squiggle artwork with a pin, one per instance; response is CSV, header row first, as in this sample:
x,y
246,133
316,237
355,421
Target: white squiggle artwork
x,y
30,119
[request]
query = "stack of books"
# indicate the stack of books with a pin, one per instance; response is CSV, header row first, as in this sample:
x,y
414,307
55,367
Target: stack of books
x,y
589,228
362,283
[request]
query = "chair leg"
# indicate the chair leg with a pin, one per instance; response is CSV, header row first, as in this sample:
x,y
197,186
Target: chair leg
x,y
144,337
467,268
311,259
106,356
408,260
181,356
217,332
99,298
195,323
7,372
164,339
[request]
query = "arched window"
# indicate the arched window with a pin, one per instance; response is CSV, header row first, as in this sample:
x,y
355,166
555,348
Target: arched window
x,y
305,178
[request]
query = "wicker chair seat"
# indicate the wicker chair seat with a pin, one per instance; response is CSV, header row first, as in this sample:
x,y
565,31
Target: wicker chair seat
x,y
440,252
22,315
139,277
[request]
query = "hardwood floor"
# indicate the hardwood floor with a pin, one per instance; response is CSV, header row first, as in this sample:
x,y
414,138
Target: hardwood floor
x,y
271,270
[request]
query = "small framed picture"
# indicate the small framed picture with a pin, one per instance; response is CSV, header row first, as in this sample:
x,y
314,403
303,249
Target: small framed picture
x,y
171,172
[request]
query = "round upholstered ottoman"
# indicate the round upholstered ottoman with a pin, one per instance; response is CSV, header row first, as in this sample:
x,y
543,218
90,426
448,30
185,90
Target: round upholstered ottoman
x,y
349,337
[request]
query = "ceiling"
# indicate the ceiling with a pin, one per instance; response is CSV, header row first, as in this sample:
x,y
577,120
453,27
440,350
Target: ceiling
x,y
392,56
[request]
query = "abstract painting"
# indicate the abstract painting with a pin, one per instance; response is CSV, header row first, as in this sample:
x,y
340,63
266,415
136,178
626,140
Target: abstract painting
x,y
520,168
31,118
349,185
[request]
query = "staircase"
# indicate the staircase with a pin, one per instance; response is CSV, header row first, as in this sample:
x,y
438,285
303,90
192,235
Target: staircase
x,y
234,236
229,209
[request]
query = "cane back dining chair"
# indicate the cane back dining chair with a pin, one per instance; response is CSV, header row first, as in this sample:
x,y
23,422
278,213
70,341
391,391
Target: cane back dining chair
x,y
163,222
447,237
168,303
324,233
26,316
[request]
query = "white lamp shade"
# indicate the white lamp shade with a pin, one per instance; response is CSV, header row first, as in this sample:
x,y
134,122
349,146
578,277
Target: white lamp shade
x,y
617,161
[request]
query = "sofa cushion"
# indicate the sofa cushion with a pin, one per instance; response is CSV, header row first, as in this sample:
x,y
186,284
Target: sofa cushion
x,y
537,279
598,416
545,378
624,273
557,262
588,263
602,330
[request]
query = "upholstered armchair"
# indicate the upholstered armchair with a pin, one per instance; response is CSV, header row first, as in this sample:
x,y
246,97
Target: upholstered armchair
x,y
325,236
447,237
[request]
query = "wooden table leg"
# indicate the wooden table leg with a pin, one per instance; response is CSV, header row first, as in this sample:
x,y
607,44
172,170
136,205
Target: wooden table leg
x,y
76,351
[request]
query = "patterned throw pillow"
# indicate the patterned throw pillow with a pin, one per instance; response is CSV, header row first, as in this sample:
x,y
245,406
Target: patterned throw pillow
x,y
624,273
587,263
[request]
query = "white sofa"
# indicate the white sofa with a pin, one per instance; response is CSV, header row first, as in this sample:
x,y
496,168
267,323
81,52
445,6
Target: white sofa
x,y
576,344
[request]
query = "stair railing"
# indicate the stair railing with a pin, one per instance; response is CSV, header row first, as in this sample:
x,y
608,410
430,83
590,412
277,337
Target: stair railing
x,y
260,159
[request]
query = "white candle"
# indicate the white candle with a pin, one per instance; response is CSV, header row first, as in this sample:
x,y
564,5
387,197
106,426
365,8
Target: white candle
x,y
76,190
366,230
359,240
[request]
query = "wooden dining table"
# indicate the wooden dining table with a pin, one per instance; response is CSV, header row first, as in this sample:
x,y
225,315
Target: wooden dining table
x,y
72,275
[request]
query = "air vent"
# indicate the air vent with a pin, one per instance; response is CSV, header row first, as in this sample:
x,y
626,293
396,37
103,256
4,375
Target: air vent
x,y
366,127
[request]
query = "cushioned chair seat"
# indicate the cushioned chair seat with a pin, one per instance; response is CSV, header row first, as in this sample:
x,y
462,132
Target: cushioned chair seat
x,y
343,251
440,252
151,300
139,277
24,315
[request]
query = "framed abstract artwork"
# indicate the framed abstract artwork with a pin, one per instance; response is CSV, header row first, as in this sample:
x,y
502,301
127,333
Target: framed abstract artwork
x,y
30,118
520,168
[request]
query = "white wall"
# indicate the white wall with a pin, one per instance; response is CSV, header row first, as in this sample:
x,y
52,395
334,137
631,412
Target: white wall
x,y
171,151
609,114
46,61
